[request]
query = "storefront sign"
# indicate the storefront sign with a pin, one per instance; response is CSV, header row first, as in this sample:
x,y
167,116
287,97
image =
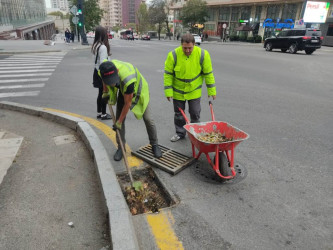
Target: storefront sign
x,y
316,12
287,24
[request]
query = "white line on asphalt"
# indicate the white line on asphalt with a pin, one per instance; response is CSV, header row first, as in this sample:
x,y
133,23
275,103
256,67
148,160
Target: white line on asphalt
x,y
28,63
25,71
41,85
25,75
25,80
15,94
54,57
31,59
28,67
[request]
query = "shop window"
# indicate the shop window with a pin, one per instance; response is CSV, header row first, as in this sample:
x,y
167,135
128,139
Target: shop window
x,y
224,14
273,12
330,31
211,16
235,14
289,11
258,14
210,27
246,13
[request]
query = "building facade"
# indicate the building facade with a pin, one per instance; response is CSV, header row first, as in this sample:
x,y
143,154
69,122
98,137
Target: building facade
x,y
60,4
24,19
262,17
113,12
129,8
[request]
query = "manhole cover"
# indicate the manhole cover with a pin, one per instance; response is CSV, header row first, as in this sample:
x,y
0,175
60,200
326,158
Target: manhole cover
x,y
64,139
206,173
171,161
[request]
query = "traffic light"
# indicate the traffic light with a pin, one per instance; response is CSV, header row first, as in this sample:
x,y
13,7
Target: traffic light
x,y
79,9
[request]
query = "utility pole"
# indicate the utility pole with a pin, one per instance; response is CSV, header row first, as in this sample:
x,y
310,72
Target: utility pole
x,y
80,11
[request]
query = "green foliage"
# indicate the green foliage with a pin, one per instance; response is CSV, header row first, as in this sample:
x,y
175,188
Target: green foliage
x,y
157,15
138,186
91,12
234,38
56,13
143,19
194,12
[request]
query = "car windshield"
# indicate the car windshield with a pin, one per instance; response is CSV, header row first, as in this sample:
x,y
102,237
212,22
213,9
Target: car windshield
x,y
313,33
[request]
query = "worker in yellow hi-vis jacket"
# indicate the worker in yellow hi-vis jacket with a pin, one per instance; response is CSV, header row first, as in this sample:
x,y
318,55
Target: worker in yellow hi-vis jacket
x,y
186,68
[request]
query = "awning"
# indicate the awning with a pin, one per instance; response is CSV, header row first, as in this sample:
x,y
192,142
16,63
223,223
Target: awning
x,y
244,28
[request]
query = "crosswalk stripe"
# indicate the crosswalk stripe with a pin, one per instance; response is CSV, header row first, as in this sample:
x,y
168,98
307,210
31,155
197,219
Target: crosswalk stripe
x,y
31,60
26,71
28,67
41,85
27,63
16,94
54,57
25,75
25,80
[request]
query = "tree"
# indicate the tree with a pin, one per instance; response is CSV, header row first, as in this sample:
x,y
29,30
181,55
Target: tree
x,y
194,12
91,12
142,16
157,15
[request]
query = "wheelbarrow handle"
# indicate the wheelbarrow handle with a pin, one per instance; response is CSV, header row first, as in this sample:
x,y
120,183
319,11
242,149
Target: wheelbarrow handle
x,y
211,110
185,117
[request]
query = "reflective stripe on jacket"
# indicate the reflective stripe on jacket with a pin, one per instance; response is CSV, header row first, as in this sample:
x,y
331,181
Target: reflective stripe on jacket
x,y
183,75
129,74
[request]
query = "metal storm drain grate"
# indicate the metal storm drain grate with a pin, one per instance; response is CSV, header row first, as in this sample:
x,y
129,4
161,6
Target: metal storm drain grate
x,y
171,161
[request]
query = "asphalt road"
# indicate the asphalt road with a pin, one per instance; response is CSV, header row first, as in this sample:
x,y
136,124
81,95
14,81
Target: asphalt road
x,y
283,101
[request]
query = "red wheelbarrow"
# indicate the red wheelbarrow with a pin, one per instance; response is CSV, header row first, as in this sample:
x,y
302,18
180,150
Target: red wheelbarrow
x,y
224,151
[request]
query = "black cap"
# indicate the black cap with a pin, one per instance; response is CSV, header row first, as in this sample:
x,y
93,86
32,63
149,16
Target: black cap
x,y
109,73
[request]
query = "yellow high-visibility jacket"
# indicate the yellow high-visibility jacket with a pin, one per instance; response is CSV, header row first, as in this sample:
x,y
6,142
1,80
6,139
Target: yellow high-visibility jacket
x,y
129,74
183,75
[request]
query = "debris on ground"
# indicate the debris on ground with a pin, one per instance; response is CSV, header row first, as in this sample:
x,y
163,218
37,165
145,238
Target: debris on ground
x,y
213,137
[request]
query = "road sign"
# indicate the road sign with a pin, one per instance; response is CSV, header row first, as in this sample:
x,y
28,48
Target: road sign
x,y
224,25
73,10
75,20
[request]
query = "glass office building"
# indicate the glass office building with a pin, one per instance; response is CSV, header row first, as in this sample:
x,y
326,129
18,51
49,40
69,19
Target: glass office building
x,y
18,13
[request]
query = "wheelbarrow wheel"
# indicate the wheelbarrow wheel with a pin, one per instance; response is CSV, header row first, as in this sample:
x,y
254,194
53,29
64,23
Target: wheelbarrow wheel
x,y
224,165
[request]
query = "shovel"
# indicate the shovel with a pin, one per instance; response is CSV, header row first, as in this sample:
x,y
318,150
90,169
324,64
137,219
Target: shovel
x,y
136,185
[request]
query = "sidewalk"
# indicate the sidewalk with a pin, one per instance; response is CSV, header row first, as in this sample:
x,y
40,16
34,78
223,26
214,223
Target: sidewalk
x,y
55,171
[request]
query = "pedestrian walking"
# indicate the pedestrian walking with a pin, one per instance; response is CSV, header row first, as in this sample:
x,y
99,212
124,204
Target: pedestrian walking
x,y
67,35
101,51
185,70
129,89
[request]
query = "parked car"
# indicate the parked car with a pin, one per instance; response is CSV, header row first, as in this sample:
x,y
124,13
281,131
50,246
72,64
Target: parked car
x,y
136,36
294,40
145,37
197,39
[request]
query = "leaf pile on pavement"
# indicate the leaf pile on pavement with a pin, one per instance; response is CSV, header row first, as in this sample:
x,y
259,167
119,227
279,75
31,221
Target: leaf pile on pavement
x,y
213,137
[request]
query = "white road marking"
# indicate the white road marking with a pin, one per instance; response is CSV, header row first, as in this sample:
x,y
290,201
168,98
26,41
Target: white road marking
x,y
27,63
25,80
37,85
26,71
25,75
29,67
16,94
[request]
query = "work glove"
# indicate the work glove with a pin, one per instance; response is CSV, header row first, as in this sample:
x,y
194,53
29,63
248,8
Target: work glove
x,y
105,97
116,126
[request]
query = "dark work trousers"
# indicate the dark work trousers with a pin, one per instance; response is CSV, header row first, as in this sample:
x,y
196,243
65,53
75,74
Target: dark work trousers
x,y
101,106
149,122
194,109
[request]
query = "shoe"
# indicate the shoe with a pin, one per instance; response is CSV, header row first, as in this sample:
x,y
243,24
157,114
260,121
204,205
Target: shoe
x,y
118,155
99,116
106,117
156,151
176,138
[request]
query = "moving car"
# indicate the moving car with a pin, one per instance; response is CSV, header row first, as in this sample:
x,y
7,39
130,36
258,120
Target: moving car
x,y
145,37
294,40
197,39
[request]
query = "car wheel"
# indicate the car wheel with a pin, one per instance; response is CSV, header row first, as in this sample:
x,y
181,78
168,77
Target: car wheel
x,y
293,48
309,51
199,44
269,46
283,50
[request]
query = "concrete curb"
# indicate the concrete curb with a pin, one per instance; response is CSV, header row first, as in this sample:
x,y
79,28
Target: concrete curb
x,y
122,231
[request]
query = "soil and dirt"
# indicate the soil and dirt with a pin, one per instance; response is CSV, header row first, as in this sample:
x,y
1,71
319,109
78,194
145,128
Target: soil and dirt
x,y
148,197
213,137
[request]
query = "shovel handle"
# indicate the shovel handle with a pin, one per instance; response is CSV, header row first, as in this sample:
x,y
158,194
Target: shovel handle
x,y
211,110
185,117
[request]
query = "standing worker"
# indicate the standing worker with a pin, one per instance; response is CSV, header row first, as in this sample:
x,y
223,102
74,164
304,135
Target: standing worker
x,y
133,95
186,68
101,51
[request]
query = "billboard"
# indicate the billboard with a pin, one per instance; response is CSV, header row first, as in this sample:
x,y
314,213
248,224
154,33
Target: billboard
x,y
316,12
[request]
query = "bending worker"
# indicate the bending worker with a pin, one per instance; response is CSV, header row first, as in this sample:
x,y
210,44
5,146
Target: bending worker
x,y
186,68
133,95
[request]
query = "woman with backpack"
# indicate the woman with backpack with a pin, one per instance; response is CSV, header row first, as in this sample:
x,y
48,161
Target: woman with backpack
x,y
101,51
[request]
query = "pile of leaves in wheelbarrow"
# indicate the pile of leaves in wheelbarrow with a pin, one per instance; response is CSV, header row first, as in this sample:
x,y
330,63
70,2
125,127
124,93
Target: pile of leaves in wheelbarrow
x,y
213,137
146,194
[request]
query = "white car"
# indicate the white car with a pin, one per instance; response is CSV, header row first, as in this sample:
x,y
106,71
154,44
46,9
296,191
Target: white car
x,y
197,39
